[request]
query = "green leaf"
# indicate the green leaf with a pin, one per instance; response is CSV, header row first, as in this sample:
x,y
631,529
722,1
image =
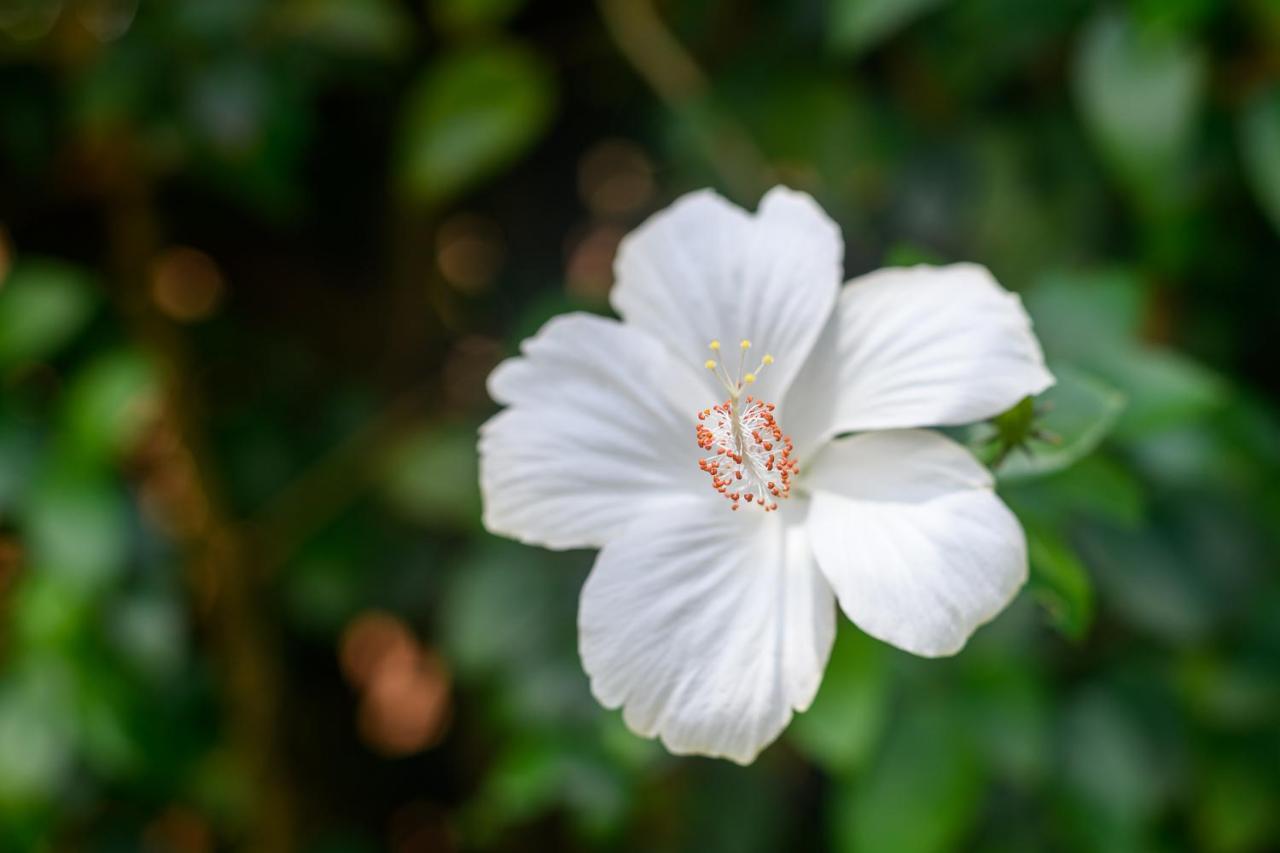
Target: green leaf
x,y
472,14
1009,710
108,402
1235,812
1140,93
430,476
497,610
922,794
149,629
856,25
1150,583
378,28
1080,315
36,732
839,731
1095,487
1060,582
1260,145
469,115
78,529
540,771
1093,320
48,612
19,453
1164,389
1109,774
249,127
1072,419
43,304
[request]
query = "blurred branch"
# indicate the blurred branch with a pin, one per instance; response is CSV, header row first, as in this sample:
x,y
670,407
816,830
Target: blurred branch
x,y
673,74
220,557
653,51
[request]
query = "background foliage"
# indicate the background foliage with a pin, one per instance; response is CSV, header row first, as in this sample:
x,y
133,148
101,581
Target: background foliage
x,y
258,257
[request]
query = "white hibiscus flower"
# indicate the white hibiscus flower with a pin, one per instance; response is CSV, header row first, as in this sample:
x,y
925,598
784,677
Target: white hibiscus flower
x,y
707,626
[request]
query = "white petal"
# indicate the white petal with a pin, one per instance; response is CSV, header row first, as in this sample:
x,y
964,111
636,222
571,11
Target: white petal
x,y
600,425
918,346
707,626
703,269
918,548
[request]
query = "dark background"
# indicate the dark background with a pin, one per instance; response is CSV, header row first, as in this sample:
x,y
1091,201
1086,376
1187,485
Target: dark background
x,y
258,257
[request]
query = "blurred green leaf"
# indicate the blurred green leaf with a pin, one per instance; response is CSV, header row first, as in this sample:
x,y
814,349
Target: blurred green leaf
x,y
1082,314
472,14
108,402
1008,709
36,732
842,726
366,27
249,125
77,529
1060,582
525,781
920,796
1072,418
1234,811
729,808
1260,146
540,771
149,629
1093,320
324,591
855,25
469,115
431,476
48,612
1140,93
1164,389
1149,582
1096,487
214,20
104,738
1234,693
1107,764
496,610
43,304
19,455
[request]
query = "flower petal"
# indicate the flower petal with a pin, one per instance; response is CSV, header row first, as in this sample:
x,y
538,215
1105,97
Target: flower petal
x,y
918,346
704,269
708,627
600,424
917,546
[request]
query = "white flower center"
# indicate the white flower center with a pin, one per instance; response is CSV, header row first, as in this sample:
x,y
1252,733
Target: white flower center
x,y
748,458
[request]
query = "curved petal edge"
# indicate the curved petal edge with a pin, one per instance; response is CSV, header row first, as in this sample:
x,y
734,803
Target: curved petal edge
x,y
707,628
918,548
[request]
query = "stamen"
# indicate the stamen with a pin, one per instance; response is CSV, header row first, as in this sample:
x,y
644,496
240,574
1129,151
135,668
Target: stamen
x,y
746,448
